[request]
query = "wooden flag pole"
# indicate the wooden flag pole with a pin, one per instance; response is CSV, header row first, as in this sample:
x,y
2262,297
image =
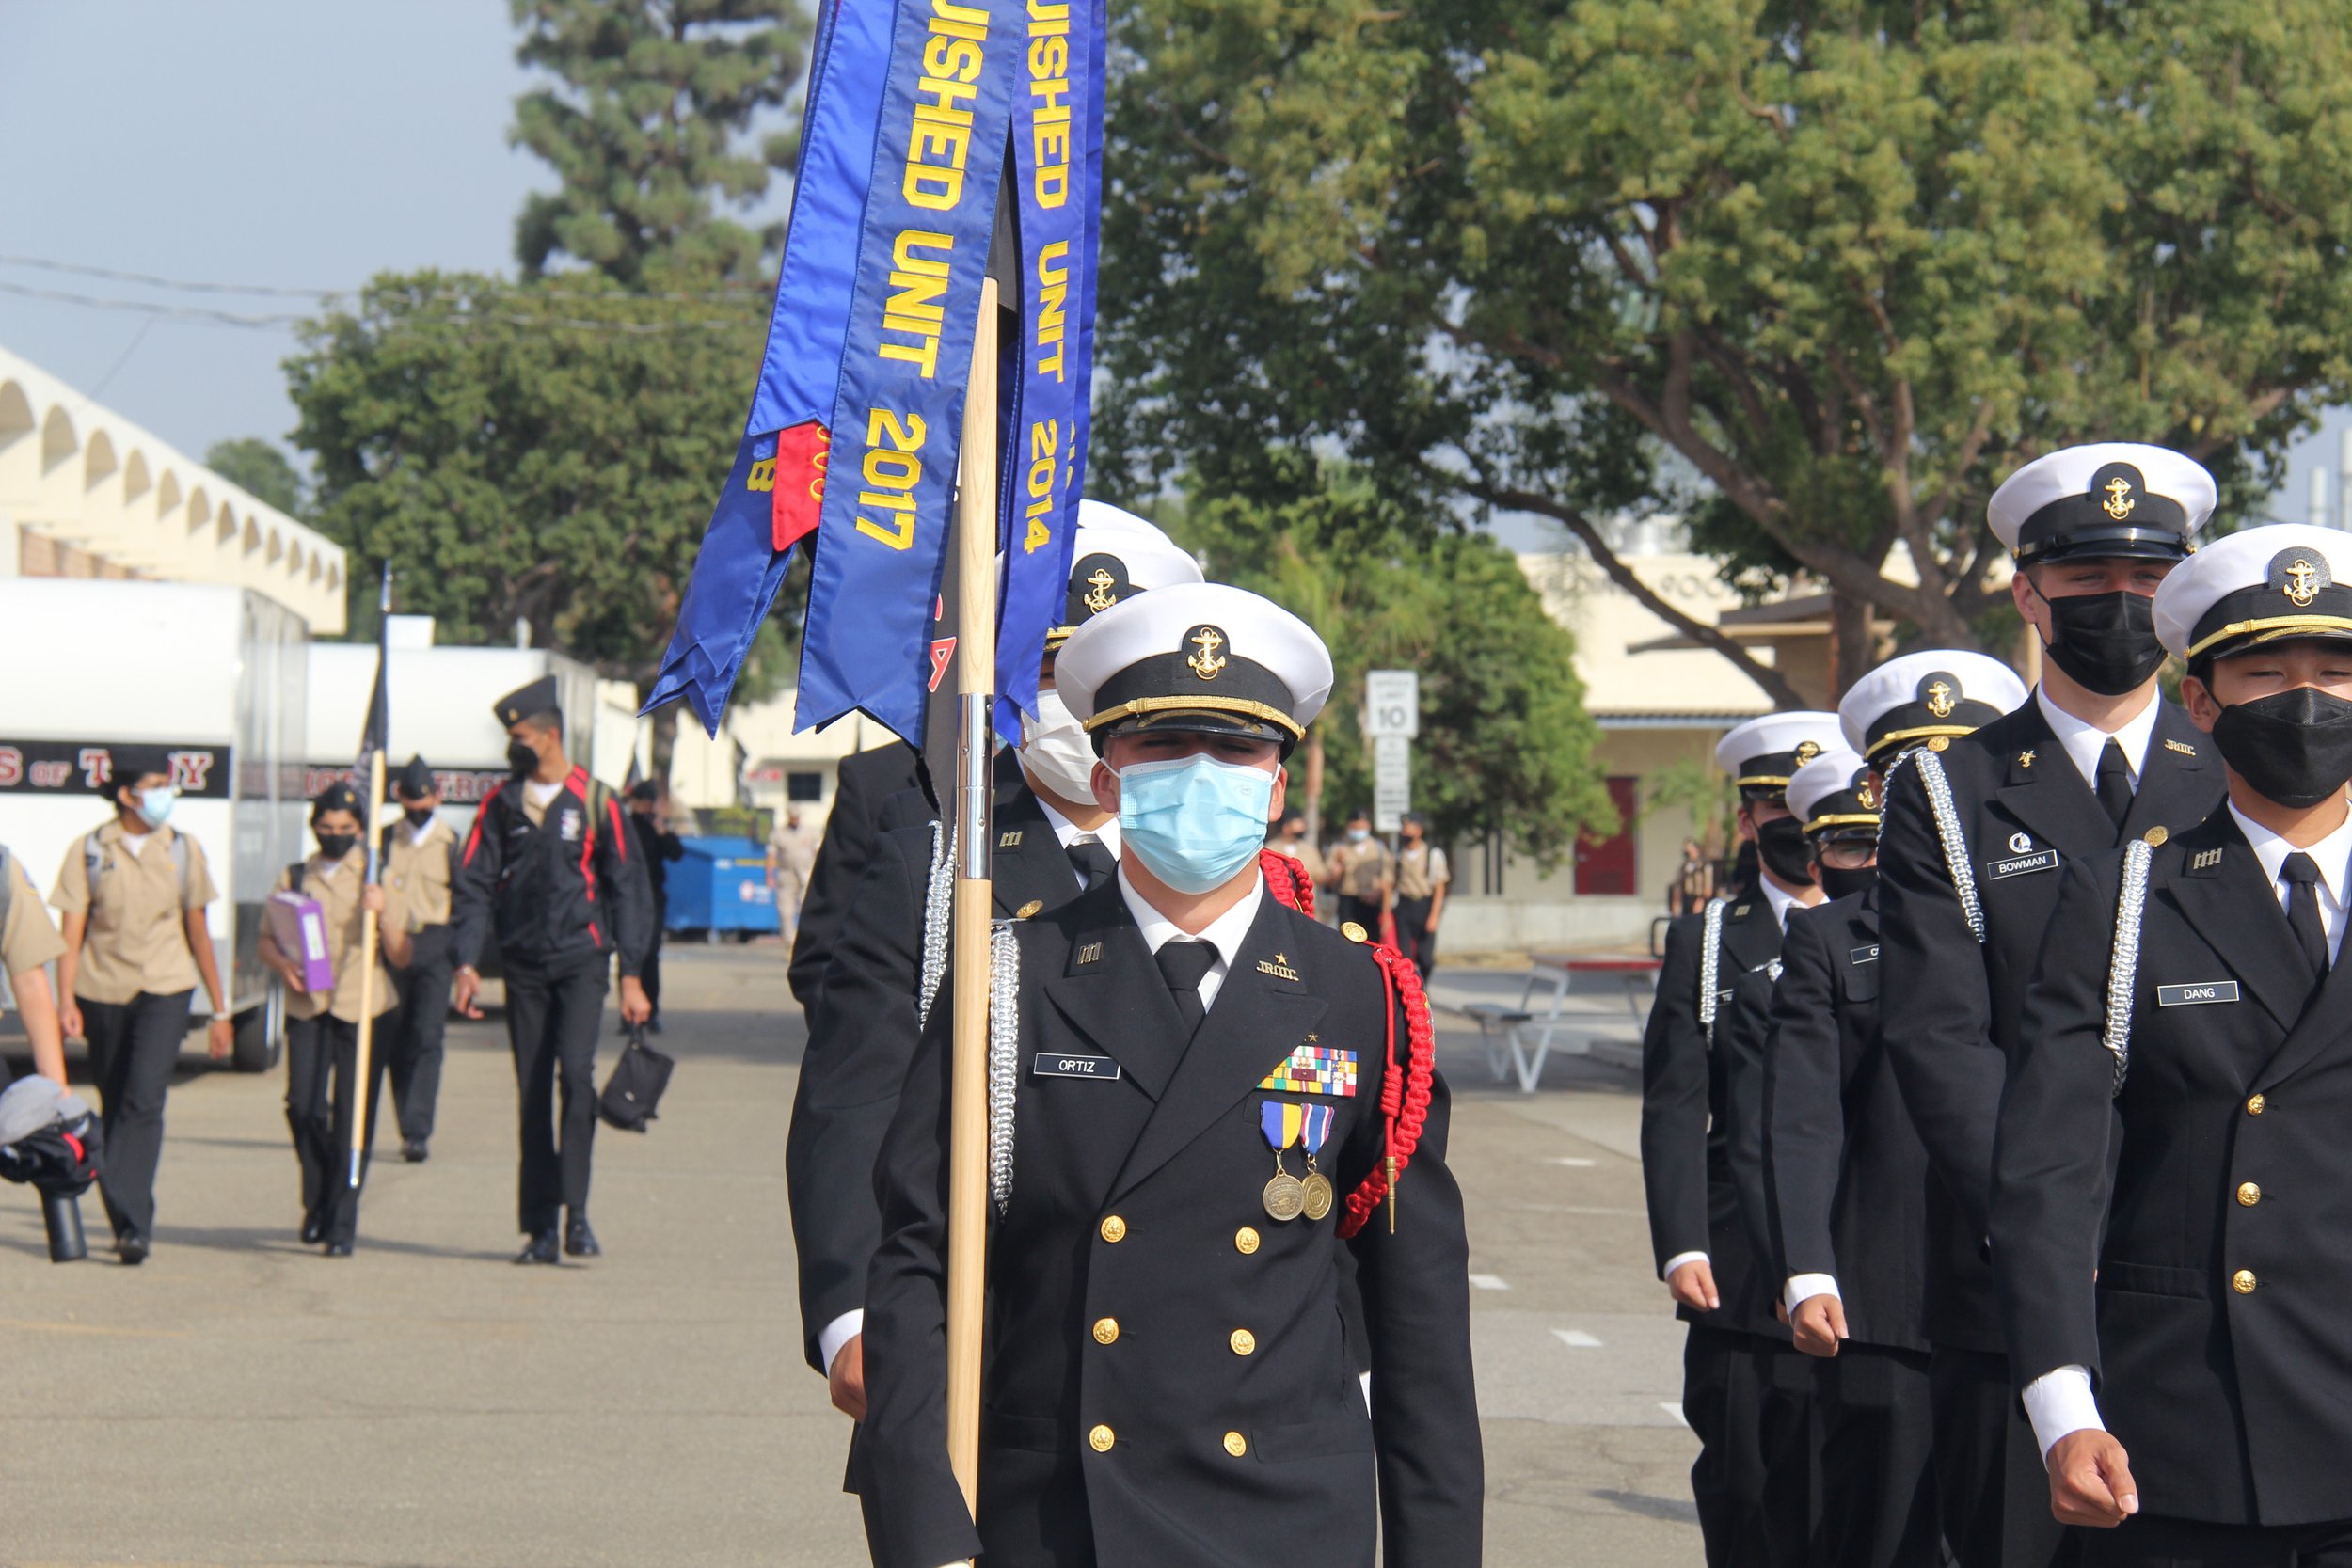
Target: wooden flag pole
x,y
974,543
367,975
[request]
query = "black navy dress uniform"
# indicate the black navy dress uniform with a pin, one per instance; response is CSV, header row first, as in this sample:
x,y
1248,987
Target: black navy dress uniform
x,y
862,784
1743,1391
1166,1379
564,892
2021,811
2172,1198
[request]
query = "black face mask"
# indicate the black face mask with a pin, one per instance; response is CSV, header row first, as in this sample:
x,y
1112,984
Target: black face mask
x,y
1837,882
521,758
336,846
2294,747
2105,642
1780,844
418,815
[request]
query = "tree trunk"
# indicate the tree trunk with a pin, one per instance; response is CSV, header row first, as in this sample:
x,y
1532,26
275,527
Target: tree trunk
x,y
1853,647
664,743
1312,787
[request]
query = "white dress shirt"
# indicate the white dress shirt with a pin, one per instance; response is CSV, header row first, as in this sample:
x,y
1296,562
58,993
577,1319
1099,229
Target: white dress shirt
x,y
2085,741
1224,933
2060,1402
1070,834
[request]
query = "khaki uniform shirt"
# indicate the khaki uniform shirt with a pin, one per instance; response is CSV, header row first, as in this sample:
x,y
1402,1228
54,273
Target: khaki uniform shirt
x,y
417,868
1361,867
1420,870
28,938
1305,854
336,885
137,939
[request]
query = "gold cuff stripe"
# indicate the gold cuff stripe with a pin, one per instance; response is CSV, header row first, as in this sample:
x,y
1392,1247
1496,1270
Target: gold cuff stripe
x,y
2272,628
1844,819
1896,737
1242,705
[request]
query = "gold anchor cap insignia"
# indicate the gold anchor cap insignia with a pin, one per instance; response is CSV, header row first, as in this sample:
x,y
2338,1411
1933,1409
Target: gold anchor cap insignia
x,y
1939,699
1206,662
2299,575
1807,751
1867,796
1099,596
2120,499
2302,584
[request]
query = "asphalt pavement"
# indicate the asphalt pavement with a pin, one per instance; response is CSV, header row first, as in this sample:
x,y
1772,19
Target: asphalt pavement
x,y
241,1401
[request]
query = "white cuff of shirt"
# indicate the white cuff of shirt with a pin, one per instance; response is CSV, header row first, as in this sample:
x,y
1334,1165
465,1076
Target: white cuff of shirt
x,y
2058,1402
838,1333
1678,1261
1805,1287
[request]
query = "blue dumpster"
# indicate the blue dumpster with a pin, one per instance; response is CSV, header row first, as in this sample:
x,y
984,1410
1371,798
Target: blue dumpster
x,y
722,886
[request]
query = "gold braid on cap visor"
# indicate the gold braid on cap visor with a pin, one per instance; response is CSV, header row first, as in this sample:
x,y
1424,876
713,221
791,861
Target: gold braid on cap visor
x,y
1924,732
1242,705
1844,819
1761,781
2273,628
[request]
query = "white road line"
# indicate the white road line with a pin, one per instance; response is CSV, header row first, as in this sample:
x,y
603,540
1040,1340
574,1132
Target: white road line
x,y
1575,1338
1674,1409
1572,1162
1490,1282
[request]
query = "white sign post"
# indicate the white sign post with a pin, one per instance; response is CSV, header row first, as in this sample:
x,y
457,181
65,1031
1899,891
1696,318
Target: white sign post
x,y
1391,781
1391,719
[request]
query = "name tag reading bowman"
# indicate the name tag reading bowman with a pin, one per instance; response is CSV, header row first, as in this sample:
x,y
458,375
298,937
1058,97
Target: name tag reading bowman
x,y
1076,1067
2197,995
2018,865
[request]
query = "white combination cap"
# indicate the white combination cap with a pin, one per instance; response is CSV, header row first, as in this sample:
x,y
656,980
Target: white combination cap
x,y
2110,498
1200,656
1833,790
1762,753
2262,585
1918,697
1116,556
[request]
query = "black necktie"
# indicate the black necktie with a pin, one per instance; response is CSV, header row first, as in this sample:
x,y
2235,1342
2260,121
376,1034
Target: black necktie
x,y
2115,782
1093,861
2301,875
1182,965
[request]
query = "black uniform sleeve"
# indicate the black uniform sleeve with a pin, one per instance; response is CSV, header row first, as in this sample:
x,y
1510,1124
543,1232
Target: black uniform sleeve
x,y
2050,1180
1674,1102
1415,1293
627,886
841,858
1804,1107
1741,1031
1939,1038
861,1039
473,882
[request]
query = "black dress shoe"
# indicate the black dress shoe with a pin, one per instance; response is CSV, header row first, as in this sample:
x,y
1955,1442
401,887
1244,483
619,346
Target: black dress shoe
x,y
130,1247
313,1230
540,1249
414,1151
339,1249
579,1241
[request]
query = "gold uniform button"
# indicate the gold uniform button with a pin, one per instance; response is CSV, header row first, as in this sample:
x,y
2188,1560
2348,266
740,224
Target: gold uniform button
x,y
1352,931
1114,1229
2243,1282
1101,1437
1243,1342
2254,1106
1236,1445
1105,1330
1245,1241
2249,1194
2156,835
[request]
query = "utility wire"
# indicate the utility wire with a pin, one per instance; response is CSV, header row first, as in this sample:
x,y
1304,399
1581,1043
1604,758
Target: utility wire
x,y
727,295
271,322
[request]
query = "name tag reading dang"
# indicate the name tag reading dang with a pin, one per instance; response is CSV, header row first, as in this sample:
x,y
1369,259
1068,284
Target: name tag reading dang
x,y
2197,995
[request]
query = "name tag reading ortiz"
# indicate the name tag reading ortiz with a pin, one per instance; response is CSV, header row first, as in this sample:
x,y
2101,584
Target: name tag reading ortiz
x,y
2018,865
1076,1067
2197,995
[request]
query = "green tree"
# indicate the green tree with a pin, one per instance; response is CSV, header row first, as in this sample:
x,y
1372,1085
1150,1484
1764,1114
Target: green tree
x,y
647,124
1505,744
1817,273
263,470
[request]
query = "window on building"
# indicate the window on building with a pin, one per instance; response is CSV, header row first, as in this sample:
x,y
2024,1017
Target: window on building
x,y
804,786
1604,866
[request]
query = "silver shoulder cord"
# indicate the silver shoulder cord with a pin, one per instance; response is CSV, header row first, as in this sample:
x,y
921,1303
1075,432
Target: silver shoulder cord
x,y
1004,1056
1710,939
2131,905
939,896
1939,792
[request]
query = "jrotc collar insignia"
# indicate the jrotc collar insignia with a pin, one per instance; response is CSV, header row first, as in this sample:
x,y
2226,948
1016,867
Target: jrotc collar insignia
x,y
2299,575
1090,952
2025,758
1739,911
1009,839
2021,844
1280,968
2186,749
1207,660
1314,1069
2204,862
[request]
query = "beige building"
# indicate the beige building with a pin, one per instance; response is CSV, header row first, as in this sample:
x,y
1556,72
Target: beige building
x,y
85,493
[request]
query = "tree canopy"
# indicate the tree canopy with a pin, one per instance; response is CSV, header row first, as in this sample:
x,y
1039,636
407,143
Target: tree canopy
x,y
263,470
1819,274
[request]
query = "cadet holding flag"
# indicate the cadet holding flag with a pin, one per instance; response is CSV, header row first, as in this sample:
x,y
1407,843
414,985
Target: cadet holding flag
x,y
1969,865
2172,1179
1195,1097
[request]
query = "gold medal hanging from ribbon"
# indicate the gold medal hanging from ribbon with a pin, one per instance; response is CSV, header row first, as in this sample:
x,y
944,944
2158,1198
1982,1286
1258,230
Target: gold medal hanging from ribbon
x,y
1314,1128
1285,1194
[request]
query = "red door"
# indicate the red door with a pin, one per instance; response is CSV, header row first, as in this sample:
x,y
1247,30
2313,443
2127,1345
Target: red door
x,y
1604,866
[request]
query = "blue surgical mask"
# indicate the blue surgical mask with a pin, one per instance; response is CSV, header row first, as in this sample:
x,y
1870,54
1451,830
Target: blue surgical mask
x,y
1194,821
1356,835
156,805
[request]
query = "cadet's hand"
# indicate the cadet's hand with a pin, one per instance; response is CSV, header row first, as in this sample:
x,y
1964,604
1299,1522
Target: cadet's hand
x,y
70,1018
1820,1323
291,972
220,1038
2091,1480
466,987
847,1378
635,1005
1693,1286
371,898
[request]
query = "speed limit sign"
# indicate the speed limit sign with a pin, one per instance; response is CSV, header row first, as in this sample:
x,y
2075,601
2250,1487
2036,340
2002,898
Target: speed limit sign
x,y
1393,703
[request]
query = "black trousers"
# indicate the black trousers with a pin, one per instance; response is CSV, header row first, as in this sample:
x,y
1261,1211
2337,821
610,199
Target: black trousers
x,y
2154,1541
1876,1442
650,975
1749,1399
134,1046
1413,937
322,1088
1993,1494
1363,911
553,1012
417,1032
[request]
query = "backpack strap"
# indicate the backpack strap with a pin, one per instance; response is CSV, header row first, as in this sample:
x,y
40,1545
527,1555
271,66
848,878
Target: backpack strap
x,y
2130,909
1710,961
1937,785
93,861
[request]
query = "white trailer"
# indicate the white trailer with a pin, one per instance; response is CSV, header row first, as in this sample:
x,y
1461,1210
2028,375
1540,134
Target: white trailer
x,y
214,674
